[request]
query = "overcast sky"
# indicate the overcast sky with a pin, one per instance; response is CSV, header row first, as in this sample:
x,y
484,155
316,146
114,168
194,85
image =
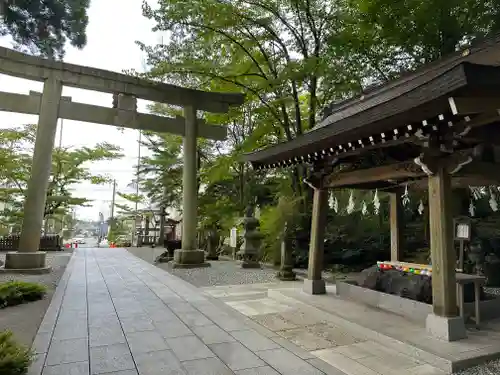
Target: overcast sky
x,y
113,28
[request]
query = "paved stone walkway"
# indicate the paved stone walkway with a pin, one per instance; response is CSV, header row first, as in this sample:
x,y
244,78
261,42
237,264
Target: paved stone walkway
x,y
116,314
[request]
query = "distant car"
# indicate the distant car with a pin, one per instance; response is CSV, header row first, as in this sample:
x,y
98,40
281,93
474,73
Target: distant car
x,y
79,240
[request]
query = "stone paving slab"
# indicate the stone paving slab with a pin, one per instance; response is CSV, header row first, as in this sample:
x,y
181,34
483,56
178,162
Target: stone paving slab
x,y
115,314
321,340
392,340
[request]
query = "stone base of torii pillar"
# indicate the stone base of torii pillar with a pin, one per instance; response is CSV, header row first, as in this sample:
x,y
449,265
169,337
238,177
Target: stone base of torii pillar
x,y
189,259
25,262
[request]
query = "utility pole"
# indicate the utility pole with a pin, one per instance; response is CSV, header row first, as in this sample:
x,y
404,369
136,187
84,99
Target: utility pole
x,y
113,200
61,133
136,213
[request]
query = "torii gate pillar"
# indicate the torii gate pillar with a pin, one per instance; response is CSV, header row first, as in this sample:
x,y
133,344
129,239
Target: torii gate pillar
x,y
189,256
28,259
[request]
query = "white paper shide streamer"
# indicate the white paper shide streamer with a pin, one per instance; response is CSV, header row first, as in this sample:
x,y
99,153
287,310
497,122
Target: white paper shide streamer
x,y
472,208
350,204
406,197
364,208
336,205
493,201
421,207
376,203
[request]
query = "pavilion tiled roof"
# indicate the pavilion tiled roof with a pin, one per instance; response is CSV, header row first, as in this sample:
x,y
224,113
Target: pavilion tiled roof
x,y
388,111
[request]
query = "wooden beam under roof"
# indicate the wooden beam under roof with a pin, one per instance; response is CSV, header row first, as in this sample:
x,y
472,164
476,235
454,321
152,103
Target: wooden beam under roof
x,y
456,182
472,105
392,176
396,171
481,170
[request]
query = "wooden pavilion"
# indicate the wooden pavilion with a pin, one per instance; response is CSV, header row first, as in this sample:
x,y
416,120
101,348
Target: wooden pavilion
x,y
436,128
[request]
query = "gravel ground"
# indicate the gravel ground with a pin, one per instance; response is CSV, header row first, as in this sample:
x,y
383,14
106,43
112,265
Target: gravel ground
x,y
490,368
221,272
24,320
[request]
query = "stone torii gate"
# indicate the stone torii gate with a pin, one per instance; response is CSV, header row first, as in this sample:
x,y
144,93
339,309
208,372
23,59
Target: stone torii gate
x,y
50,105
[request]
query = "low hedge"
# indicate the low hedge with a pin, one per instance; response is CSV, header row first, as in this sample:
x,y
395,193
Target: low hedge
x,y
17,292
15,358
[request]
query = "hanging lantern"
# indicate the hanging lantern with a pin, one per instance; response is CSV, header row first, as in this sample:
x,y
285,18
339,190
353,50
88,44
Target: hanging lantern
x,y
406,197
376,203
493,201
336,205
350,205
364,208
421,207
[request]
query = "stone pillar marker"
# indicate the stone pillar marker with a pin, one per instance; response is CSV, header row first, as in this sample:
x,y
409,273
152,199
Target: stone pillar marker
x,y
314,284
28,257
445,322
189,256
212,244
286,269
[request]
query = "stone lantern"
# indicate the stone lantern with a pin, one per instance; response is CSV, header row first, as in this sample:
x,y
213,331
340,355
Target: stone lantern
x,y
252,240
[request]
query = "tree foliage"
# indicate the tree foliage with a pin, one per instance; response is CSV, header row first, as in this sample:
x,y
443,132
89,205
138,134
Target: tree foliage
x,y
69,167
394,37
44,26
291,58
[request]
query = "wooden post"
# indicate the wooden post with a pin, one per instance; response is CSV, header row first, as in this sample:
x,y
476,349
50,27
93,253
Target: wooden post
x,y
441,241
314,284
396,223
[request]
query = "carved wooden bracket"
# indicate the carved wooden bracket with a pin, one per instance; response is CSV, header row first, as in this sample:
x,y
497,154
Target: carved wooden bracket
x,y
430,162
427,163
320,172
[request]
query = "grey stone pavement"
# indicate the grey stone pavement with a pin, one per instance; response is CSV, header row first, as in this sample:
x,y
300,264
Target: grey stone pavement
x,y
113,313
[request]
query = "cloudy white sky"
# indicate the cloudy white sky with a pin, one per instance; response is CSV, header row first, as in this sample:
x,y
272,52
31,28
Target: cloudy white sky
x,y
113,28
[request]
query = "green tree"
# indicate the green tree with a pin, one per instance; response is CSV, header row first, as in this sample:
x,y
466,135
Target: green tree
x,y
44,26
277,52
291,59
161,172
69,167
391,37
117,228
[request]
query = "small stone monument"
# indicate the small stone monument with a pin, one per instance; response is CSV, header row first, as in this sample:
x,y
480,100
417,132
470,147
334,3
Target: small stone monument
x,y
286,269
212,242
252,239
233,240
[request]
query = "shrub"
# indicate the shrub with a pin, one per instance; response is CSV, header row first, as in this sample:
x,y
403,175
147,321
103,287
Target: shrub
x,y
17,292
15,359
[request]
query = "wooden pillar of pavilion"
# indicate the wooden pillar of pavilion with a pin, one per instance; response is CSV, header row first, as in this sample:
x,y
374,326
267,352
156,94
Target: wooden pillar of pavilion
x,y
396,224
314,284
445,321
